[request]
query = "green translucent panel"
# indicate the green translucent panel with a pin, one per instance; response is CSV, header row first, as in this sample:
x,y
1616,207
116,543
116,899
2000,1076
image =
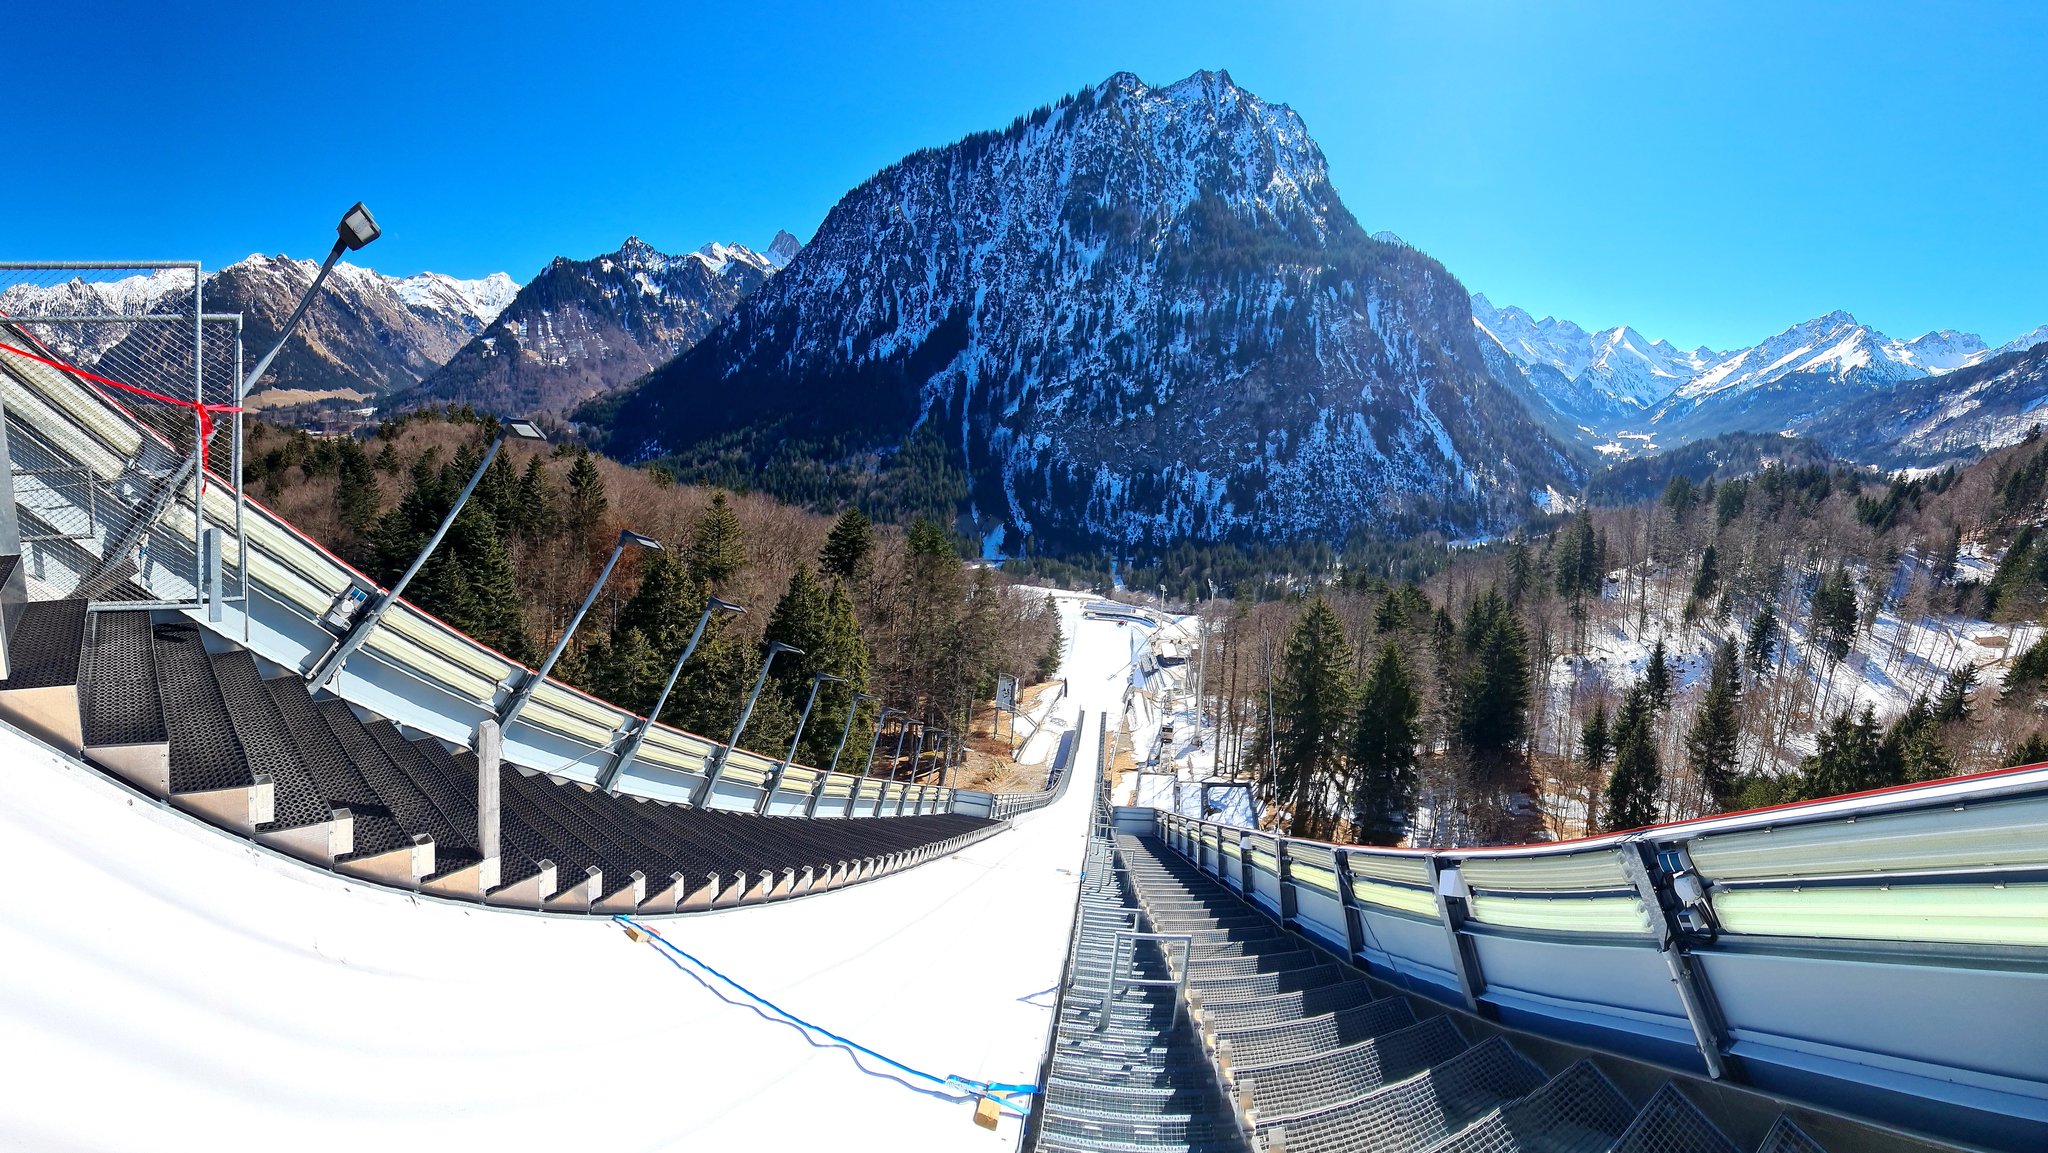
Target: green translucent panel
x,y
1314,875
1572,873
1999,833
1562,914
1409,868
1968,914
1419,901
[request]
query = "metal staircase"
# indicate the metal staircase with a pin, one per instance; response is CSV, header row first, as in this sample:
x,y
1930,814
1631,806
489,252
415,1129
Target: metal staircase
x,y
1192,1021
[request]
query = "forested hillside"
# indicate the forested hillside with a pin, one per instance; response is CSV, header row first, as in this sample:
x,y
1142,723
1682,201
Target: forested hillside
x,y
1799,632
897,613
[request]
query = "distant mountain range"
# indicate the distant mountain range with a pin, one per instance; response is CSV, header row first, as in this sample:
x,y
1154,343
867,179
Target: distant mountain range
x,y
1140,315
584,327
1832,378
579,328
365,334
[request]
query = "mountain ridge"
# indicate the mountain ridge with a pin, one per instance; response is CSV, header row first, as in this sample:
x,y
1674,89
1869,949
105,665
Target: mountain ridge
x,y
1136,315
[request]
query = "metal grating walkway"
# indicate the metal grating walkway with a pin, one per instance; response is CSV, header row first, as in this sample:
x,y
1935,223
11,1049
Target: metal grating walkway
x,y
1191,1021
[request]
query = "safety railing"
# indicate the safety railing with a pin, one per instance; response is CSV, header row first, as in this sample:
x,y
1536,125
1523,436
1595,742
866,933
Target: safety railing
x,y
1006,805
1885,953
412,668
1123,958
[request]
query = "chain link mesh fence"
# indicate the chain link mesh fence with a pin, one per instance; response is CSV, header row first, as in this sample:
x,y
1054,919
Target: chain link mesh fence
x,y
116,382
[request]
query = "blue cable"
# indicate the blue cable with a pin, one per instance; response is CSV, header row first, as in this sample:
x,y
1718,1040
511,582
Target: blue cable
x,y
981,1088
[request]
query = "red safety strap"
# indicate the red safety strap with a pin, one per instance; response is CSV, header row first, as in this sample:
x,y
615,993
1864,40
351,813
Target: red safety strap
x,y
206,412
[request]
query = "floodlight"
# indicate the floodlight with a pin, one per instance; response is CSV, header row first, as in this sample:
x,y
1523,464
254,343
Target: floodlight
x,y
638,540
357,228
524,430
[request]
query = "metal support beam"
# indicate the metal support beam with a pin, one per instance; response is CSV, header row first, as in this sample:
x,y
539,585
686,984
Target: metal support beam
x,y
1653,889
490,754
610,774
1452,909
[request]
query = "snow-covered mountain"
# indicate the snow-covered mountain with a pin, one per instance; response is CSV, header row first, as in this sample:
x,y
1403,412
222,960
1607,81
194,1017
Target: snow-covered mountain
x,y
366,334
1817,378
1139,315
583,327
1600,380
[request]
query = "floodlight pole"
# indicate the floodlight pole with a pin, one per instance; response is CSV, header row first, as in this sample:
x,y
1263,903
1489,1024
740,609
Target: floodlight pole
x,y
724,754
881,719
356,229
922,731
610,775
627,537
902,731
845,731
775,778
324,673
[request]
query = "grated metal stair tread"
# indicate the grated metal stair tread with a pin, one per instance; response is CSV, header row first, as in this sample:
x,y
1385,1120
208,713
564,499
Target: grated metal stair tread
x,y
1670,1123
264,739
205,755
47,646
119,701
376,830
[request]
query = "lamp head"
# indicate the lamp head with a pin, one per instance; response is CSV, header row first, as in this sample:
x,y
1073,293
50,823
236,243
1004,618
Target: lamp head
x,y
357,228
775,647
726,606
523,429
638,540
828,677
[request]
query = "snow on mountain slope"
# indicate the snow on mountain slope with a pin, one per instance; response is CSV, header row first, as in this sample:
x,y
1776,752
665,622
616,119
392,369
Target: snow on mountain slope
x,y
365,334
1142,314
1817,378
583,327
1599,379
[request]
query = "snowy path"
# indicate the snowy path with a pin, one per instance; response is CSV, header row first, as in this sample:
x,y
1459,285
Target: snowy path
x,y
166,987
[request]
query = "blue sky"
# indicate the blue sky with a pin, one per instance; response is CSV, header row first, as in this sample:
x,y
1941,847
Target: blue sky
x,y
1710,173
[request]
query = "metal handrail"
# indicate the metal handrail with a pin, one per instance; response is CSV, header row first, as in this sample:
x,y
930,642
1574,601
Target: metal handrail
x,y
1122,947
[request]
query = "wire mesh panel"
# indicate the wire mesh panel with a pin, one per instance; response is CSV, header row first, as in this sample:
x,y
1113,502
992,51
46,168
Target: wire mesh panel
x,y
118,386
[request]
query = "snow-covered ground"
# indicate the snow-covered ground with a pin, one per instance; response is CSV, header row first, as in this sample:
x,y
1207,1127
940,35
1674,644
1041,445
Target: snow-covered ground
x,y
167,987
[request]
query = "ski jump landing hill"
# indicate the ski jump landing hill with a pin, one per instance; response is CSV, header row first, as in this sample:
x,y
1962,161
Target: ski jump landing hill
x,y
250,912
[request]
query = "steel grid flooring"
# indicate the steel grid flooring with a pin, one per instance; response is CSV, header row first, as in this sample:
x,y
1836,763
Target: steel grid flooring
x,y
1286,1049
223,726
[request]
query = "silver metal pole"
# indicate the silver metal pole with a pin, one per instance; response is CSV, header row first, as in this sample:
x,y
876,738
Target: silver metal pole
x,y
526,689
328,668
775,778
610,774
914,759
724,754
169,492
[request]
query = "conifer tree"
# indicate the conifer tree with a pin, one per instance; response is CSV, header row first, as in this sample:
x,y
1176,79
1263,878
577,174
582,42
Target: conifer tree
x,y
1834,613
1657,678
588,502
1632,790
535,500
1953,705
1914,745
1761,647
848,549
1313,704
2031,751
1049,661
1712,743
1851,754
1383,752
1707,582
1493,696
1596,747
717,553
356,495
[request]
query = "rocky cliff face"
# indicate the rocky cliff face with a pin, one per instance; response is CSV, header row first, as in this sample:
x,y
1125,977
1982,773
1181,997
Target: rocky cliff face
x,y
1139,315
583,327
